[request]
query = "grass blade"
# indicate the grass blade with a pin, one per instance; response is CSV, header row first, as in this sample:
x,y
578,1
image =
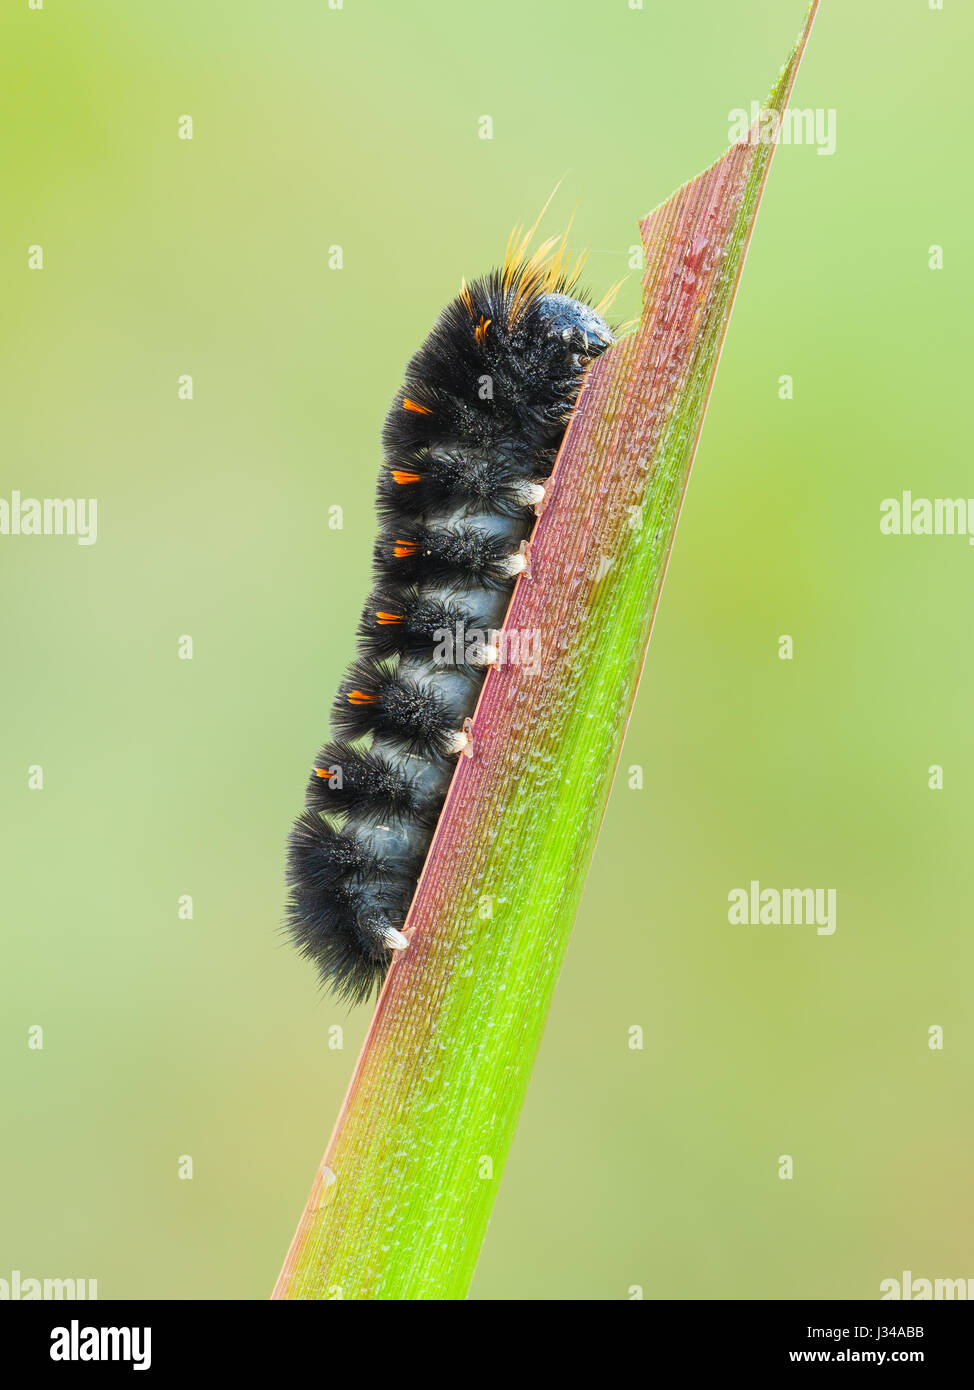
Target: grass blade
x,y
401,1202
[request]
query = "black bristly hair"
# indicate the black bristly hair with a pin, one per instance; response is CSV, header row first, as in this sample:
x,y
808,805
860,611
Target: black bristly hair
x,y
349,782
468,442
462,552
409,621
406,711
481,483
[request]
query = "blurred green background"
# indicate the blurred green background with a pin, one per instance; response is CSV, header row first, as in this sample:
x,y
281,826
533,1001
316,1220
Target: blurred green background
x,y
165,1037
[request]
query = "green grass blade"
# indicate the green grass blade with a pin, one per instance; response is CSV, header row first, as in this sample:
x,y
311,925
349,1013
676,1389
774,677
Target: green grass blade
x,y
400,1205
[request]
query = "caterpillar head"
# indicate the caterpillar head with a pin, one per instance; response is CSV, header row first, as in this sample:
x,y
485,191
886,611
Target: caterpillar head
x,y
573,326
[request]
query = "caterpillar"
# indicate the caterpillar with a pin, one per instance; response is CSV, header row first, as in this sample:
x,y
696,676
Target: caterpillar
x,y
469,440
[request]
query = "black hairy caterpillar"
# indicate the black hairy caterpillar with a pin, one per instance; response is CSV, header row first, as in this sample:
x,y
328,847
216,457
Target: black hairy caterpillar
x,y
468,442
